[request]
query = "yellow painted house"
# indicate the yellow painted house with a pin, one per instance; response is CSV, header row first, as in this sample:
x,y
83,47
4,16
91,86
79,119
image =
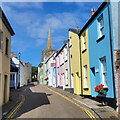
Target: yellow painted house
x,y
75,60
86,85
79,58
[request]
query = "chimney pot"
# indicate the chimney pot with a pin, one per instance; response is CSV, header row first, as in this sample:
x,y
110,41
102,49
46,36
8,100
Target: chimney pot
x,y
93,10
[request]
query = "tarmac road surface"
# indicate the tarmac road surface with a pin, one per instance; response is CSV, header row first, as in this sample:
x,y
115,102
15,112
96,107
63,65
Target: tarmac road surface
x,y
40,102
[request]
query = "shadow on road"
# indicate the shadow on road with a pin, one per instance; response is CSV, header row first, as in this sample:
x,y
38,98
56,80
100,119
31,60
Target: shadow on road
x,y
32,101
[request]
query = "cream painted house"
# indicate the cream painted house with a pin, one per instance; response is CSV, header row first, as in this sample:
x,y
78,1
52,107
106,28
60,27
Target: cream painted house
x,y
6,32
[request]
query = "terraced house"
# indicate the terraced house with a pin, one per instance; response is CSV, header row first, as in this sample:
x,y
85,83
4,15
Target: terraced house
x,y
74,46
101,57
6,32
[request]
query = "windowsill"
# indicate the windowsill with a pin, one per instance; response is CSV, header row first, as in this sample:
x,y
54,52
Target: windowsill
x,y
102,37
105,88
86,88
84,50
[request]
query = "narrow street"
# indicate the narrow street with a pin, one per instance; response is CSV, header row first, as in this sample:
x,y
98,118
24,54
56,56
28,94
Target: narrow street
x,y
40,102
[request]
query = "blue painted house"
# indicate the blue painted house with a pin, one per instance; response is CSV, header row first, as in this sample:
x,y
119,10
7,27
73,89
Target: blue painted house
x,y
101,55
101,51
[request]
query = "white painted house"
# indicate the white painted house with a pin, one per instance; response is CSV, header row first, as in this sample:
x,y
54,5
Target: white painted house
x,y
17,78
67,81
50,65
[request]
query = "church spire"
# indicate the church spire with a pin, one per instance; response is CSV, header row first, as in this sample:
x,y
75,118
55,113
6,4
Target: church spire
x,y
49,42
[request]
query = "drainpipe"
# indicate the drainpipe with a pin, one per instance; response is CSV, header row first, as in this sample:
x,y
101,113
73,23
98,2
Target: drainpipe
x,y
111,48
80,63
69,64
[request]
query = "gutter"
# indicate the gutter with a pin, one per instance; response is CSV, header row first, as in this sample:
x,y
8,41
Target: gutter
x,y
111,48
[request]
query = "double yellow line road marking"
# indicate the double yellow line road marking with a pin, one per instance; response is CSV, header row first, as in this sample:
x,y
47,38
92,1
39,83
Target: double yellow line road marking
x,y
84,109
23,99
18,107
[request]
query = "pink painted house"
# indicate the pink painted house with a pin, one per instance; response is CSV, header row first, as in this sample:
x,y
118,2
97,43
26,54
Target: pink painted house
x,y
59,68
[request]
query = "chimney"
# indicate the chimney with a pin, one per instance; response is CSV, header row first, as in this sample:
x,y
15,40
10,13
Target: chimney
x,y
14,54
93,10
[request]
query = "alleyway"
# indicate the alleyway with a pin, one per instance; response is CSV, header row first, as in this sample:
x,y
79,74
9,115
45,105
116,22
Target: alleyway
x,y
40,102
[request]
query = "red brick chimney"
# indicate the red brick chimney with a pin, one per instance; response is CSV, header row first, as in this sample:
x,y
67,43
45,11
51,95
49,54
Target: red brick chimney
x,y
93,10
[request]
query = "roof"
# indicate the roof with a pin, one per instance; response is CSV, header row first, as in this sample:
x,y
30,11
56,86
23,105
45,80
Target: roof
x,y
93,17
60,50
6,22
77,31
50,56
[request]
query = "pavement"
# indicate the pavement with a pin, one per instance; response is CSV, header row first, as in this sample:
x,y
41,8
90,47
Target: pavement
x,y
41,101
103,111
15,95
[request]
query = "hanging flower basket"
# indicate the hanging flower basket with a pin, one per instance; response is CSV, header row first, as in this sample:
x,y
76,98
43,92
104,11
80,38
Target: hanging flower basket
x,y
100,89
46,78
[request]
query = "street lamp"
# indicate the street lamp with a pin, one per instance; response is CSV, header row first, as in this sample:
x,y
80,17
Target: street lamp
x,y
19,71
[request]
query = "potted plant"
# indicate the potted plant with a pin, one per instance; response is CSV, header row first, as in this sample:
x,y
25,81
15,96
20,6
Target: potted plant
x,y
100,89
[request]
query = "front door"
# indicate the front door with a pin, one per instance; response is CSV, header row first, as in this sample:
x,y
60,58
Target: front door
x,y
5,88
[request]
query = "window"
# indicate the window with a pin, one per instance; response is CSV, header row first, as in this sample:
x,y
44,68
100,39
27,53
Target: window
x,y
70,42
104,71
66,53
66,75
86,76
6,50
84,41
101,25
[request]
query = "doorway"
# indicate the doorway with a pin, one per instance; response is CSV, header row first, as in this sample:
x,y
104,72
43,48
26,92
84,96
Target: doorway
x,y
5,88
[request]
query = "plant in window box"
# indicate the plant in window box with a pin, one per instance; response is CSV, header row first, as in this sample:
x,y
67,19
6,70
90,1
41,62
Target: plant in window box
x,y
100,89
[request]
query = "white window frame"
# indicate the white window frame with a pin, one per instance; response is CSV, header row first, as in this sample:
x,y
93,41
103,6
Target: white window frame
x,y
84,41
104,72
101,28
65,53
66,76
86,76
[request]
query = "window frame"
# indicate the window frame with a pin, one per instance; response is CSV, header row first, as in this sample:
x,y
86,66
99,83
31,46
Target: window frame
x,y
101,28
104,72
84,41
86,76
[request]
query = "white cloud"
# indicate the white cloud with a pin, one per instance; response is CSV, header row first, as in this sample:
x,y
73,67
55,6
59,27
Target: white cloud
x,y
20,5
37,26
40,42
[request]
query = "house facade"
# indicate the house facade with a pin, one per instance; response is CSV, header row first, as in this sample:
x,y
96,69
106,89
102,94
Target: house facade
x,y
40,73
115,18
66,73
50,64
20,65
6,32
74,46
85,71
59,63
101,51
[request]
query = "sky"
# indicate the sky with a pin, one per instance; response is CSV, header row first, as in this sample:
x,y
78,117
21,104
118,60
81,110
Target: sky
x,y
31,22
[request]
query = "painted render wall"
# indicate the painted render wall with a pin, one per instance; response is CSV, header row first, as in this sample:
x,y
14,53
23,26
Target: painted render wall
x,y
85,62
5,62
98,50
75,61
59,79
67,84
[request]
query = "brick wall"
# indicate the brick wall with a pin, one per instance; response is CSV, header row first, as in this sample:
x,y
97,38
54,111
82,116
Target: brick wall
x,y
117,76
